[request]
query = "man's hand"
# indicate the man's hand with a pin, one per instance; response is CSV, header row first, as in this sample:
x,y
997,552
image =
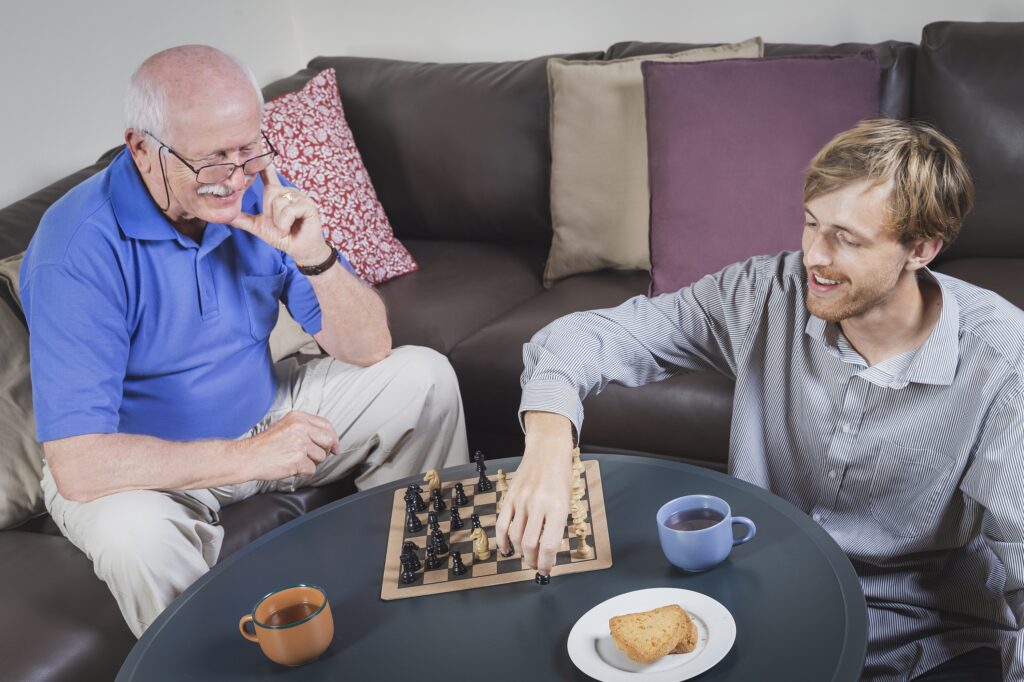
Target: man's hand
x,y
536,505
290,221
292,446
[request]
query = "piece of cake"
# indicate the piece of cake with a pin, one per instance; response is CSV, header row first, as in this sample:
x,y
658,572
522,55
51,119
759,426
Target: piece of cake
x,y
648,636
688,640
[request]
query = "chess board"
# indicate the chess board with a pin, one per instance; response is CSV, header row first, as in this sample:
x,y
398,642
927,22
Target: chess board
x,y
497,569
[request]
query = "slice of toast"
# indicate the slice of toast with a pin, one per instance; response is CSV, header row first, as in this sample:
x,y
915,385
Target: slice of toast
x,y
645,637
688,640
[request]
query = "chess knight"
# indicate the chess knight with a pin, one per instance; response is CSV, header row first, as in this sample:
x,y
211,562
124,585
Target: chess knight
x,y
481,545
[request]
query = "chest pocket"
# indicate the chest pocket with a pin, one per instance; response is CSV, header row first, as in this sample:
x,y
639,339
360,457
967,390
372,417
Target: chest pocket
x,y
262,294
906,488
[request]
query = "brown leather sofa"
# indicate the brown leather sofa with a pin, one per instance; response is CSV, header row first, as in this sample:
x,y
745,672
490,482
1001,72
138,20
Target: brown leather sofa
x,y
460,158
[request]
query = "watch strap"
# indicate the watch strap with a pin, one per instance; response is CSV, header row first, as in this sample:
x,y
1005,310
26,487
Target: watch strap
x,y
310,270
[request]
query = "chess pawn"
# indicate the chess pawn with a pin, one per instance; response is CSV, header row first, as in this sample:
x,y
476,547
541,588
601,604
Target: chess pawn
x,y
456,520
577,465
577,489
412,522
437,501
481,545
439,542
460,495
458,568
583,550
502,482
475,519
433,562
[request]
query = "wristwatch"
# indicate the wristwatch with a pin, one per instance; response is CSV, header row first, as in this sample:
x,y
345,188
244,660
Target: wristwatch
x,y
310,270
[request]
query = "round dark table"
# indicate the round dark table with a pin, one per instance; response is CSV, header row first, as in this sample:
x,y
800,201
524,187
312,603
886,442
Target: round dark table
x,y
799,610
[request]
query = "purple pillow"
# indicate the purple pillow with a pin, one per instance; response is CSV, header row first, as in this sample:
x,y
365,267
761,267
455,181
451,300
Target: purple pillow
x,y
728,144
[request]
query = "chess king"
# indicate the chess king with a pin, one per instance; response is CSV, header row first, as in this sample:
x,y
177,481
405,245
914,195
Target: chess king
x,y
914,377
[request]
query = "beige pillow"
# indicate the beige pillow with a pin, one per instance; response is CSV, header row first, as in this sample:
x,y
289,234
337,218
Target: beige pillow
x,y
288,337
600,205
21,457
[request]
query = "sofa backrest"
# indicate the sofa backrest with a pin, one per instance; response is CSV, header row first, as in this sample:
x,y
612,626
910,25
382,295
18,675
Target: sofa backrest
x,y
969,84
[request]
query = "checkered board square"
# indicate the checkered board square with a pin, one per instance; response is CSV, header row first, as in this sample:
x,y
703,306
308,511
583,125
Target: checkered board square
x,y
497,569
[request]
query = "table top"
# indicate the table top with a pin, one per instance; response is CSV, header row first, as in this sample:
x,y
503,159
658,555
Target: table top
x,y
799,610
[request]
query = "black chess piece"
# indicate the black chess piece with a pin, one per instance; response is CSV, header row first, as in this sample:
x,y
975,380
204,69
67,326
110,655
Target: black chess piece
x,y
433,561
460,495
484,484
412,522
413,492
432,521
478,458
475,519
510,552
541,579
410,553
439,542
408,573
437,501
456,520
458,568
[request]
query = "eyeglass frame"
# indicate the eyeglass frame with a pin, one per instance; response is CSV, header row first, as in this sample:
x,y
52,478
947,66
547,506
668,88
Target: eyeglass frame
x,y
234,166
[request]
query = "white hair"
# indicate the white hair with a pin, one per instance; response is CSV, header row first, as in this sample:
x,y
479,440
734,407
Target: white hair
x,y
145,102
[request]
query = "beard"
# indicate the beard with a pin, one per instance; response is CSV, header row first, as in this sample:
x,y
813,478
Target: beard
x,y
853,299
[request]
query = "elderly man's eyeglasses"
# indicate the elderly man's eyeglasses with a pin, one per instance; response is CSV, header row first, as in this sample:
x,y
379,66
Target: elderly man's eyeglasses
x,y
219,172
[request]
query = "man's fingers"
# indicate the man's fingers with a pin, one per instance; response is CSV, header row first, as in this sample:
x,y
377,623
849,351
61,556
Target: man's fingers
x,y
269,175
530,544
550,542
245,221
517,526
501,526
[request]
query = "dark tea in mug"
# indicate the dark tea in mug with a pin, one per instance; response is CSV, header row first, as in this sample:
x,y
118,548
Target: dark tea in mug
x,y
291,614
693,519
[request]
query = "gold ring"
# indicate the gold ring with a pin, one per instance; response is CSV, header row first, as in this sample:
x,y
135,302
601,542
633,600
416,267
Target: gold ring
x,y
287,196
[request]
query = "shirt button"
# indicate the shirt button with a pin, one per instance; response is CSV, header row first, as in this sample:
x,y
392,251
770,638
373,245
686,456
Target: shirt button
x,y
832,473
817,517
847,428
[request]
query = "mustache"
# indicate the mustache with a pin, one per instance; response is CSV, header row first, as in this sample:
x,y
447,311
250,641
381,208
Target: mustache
x,y
216,190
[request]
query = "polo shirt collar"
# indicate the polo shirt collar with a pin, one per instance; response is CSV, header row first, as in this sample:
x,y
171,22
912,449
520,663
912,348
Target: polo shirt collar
x,y
935,362
140,218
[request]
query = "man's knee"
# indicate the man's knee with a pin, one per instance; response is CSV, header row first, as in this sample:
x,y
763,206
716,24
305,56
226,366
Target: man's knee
x,y
424,371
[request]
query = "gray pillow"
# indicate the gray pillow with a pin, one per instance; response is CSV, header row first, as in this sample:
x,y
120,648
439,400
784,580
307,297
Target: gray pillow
x,y
21,457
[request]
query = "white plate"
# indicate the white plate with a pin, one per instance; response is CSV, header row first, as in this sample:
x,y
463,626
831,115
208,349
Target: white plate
x,y
592,650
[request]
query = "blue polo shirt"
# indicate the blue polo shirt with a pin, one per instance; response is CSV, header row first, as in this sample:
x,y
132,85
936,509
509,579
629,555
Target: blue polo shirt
x,y
135,328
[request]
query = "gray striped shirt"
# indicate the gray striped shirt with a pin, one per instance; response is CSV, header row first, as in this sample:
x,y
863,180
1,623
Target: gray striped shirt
x,y
915,466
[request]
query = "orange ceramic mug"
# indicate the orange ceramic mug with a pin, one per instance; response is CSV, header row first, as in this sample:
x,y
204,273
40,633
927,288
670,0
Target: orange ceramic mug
x,y
292,625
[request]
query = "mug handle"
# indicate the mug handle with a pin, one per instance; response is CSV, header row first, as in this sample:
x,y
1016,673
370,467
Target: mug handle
x,y
247,618
751,529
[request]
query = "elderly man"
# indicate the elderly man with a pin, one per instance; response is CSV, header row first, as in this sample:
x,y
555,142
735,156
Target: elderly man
x,y
150,292
884,400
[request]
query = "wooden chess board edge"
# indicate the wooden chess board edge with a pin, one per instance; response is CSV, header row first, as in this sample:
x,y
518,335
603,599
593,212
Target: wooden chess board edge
x,y
598,518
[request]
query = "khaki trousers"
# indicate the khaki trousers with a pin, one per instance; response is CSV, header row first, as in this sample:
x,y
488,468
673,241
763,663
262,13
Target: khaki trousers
x,y
397,418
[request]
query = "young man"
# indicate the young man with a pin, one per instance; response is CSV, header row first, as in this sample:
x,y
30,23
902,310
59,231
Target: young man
x,y
884,400
150,292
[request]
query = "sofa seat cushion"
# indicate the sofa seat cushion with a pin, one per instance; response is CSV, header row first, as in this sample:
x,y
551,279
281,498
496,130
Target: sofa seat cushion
x,y
459,288
62,623
1001,275
685,417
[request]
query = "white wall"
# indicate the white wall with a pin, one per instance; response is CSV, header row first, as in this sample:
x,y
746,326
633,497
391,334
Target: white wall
x,y
469,30
64,67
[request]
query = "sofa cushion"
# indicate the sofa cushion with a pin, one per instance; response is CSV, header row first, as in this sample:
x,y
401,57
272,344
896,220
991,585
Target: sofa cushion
x,y
317,153
895,59
459,288
600,205
63,625
685,417
456,151
968,85
1001,275
729,144
21,457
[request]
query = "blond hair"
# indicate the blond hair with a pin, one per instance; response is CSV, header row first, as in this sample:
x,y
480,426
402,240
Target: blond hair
x,y
932,189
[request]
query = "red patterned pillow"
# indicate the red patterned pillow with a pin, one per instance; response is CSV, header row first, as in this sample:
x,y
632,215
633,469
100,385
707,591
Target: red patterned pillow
x,y
316,151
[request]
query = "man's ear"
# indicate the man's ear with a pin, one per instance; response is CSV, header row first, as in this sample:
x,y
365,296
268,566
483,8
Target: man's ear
x,y
141,149
923,253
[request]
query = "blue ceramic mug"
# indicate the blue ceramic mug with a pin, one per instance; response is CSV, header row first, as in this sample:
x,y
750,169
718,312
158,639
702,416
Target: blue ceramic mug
x,y
696,531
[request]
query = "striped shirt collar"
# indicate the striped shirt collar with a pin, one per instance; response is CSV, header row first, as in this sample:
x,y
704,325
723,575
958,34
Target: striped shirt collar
x,y
935,362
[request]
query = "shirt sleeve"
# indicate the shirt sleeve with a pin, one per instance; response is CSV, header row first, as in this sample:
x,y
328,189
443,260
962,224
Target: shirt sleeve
x,y
700,327
79,345
994,481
